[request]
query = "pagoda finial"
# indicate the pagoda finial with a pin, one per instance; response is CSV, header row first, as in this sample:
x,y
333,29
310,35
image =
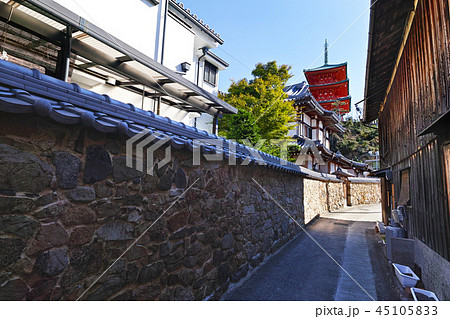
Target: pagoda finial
x,y
326,52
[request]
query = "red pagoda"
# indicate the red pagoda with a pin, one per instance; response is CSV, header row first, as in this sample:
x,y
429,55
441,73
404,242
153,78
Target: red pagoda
x,y
329,85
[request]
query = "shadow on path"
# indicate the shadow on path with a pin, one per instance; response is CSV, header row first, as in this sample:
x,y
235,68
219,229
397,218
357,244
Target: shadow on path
x,y
303,271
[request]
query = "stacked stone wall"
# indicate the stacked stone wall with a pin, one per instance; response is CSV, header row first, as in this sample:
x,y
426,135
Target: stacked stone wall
x,y
322,196
365,193
69,207
315,198
336,196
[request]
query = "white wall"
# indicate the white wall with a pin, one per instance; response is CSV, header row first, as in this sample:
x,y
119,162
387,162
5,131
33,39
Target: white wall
x,y
294,130
179,48
94,84
133,22
204,122
306,119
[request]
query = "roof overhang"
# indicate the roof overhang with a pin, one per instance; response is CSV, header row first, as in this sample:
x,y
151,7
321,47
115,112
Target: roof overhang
x,y
179,7
384,172
313,108
133,64
331,85
326,68
387,34
439,126
217,61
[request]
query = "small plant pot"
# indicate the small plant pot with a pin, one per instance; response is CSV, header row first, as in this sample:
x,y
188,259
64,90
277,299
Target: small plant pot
x,y
405,275
423,295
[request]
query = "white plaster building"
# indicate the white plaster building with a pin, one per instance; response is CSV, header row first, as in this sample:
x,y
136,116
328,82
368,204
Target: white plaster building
x,y
156,32
168,33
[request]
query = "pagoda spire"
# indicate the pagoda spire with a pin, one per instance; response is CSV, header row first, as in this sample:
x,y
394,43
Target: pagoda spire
x,y
326,52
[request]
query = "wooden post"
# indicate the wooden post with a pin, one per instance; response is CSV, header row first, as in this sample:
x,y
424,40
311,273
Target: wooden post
x,y
63,62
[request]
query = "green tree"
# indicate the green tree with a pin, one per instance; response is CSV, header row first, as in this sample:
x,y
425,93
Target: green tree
x,y
241,127
262,99
356,141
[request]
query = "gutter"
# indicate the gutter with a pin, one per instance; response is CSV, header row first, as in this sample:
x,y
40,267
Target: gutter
x,y
205,51
166,9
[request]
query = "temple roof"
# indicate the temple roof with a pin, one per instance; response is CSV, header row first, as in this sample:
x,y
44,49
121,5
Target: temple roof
x,y
329,84
326,67
300,93
345,98
337,157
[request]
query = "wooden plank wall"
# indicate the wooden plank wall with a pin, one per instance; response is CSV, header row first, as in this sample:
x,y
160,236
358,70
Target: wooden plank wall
x,y
419,94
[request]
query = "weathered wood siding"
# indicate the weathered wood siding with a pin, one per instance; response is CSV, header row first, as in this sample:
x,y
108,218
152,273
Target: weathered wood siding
x,y
419,94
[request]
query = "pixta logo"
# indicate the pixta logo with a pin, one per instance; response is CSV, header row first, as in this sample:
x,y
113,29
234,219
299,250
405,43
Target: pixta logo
x,y
143,145
149,142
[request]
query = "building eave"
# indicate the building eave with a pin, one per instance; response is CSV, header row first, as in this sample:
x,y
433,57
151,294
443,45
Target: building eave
x,y
330,84
386,18
326,67
179,7
222,63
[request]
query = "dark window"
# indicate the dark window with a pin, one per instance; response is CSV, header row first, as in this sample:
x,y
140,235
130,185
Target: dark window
x,y
308,131
210,73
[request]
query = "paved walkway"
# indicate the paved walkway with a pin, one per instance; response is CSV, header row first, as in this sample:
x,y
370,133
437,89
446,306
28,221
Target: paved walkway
x,y
303,271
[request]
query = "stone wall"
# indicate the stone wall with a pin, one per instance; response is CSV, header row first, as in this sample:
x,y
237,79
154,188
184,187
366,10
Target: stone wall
x,y
436,270
315,198
69,207
321,196
365,193
336,196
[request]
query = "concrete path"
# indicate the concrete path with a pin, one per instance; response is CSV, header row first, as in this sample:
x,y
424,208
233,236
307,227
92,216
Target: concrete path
x,y
303,271
361,213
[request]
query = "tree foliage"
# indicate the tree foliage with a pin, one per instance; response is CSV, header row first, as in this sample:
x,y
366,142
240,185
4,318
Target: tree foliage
x,y
241,127
356,141
261,99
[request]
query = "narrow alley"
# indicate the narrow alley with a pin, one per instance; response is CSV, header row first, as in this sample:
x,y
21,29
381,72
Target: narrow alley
x,y
304,271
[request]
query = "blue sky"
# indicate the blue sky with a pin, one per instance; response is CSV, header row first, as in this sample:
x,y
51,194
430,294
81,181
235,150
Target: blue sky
x,y
289,31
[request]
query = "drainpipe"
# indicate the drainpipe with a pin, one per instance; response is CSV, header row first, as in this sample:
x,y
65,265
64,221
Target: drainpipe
x,y
214,128
205,50
166,9
163,8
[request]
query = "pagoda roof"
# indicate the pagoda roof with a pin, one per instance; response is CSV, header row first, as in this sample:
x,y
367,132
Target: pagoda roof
x,y
326,67
339,99
329,84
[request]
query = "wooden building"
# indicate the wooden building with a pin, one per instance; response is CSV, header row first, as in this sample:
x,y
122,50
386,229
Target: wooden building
x,y
408,92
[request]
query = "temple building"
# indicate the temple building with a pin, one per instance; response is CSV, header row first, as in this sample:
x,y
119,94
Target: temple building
x,y
329,85
314,122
